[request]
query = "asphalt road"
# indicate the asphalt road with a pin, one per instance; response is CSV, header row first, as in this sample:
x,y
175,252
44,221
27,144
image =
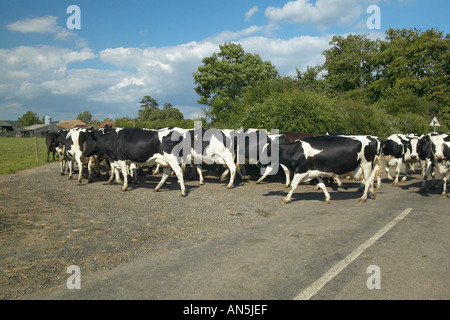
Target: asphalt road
x,y
323,250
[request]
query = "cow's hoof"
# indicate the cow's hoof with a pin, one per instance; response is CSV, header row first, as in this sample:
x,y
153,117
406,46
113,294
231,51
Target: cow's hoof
x,y
285,201
362,200
230,187
421,190
327,201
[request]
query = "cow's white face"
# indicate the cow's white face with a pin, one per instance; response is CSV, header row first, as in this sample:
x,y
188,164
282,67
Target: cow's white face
x,y
437,146
414,154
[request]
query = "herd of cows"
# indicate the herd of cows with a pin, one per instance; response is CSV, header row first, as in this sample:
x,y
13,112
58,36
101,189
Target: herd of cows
x,y
303,157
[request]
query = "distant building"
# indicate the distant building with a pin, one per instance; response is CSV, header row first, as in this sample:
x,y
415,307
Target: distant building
x,y
108,123
10,130
70,124
39,130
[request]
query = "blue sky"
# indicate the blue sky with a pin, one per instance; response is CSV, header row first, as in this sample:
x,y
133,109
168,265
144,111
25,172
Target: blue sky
x,y
128,49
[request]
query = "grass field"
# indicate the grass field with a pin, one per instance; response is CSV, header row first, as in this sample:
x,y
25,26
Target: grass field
x,y
19,154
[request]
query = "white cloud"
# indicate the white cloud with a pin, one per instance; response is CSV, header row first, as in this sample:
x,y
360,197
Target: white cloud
x,y
322,13
250,13
47,24
165,73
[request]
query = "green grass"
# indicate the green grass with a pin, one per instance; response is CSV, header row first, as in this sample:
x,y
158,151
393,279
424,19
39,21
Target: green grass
x,y
19,154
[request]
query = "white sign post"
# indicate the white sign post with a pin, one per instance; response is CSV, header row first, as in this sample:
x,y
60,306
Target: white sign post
x,y
435,123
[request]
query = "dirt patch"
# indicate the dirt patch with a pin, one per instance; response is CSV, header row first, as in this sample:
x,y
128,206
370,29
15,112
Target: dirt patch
x,y
48,223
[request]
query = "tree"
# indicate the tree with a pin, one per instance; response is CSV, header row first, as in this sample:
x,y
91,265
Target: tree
x,y
85,116
348,62
417,62
225,76
28,118
148,105
149,102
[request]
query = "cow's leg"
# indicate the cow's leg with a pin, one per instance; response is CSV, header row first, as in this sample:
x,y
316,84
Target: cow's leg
x,y
165,176
397,172
322,186
173,163
386,170
123,167
223,176
240,168
444,187
70,169
61,165
425,177
298,177
80,170
287,173
367,172
267,170
407,168
91,163
232,168
200,174
156,170
134,172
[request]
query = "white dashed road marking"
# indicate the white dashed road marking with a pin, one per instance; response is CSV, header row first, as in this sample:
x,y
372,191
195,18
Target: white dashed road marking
x,y
327,277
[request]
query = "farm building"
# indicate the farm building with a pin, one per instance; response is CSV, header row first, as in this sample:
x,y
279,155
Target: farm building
x,y
108,123
70,124
39,130
9,130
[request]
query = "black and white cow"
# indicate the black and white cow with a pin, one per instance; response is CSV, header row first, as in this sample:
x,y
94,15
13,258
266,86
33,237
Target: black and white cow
x,y
73,148
59,145
435,148
399,149
207,146
331,156
252,146
140,146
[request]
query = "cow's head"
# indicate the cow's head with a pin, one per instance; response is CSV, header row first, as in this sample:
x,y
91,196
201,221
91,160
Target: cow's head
x,y
424,148
437,146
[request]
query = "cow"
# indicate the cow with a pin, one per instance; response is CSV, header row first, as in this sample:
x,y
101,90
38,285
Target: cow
x,y
252,146
141,146
209,146
398,149
50,139
330,156
435,148
73,148
59,143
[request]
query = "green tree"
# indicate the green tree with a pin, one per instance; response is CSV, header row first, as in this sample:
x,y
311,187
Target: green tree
x,y
149,107
85,116
417,62
225,76
348,64
28,118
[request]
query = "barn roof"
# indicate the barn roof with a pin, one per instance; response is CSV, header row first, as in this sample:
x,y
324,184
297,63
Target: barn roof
x,y
36,126
70,124
109,123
